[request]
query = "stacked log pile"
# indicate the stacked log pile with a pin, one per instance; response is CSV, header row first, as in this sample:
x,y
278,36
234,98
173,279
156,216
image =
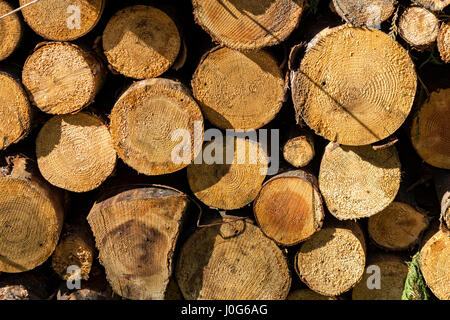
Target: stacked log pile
x,y
233,149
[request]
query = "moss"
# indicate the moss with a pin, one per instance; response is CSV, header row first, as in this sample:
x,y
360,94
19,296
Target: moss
x,y
415,287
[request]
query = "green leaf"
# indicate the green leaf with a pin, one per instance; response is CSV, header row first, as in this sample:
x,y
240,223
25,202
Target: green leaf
x,y
415,287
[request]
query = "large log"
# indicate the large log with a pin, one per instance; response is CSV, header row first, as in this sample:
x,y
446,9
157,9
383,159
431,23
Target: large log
x,y
15,111
239,90
141,42
11,28
62,20
429,131
234,261
419,27
364,12
62,78
31,217
354,86
248,25
358,182
75,152
144,125
136,232
289,207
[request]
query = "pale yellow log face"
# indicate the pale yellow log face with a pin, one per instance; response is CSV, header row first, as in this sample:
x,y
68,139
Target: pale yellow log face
x,y
75,152
430,130
435,5
355,86
418,26
52,20
141,42
364,12
15,111
299,151
247,25
443,41
11,31
239,90
29,226
233,261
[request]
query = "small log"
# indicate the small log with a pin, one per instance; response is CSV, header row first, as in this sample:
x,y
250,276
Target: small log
x,y
299,149
141,42
248,25
15,111
354,86
434,5
429,132
398,227
11,28
234,261
62,78
332,261
307,294
75,152
136,232
442,184
289,207
239,90
24,286
419,27
443,41
358,182
435,259
226,184
31,219
364,13
393,272
144,122
62,20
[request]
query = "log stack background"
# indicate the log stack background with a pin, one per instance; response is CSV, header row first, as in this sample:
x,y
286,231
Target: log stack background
x,y
87,179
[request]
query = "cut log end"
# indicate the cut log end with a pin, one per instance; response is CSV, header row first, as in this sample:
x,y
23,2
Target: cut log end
x,y
398,227
145,122
443,41
419,27
239,90
434,5
358,182
299,151
141,42
227,185
62,78
75,152
435,259
331,262
15,111
31,219
233,261
248,25
307,294
58,19
391,272
429,132
289,207
364,13
363,90
11,31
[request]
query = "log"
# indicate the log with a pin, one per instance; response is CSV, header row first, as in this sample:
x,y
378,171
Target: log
x,y
442,185
429,132
299,149
443,42
76,248
226,184
136,232
24,286
354,86
435,259
434,5
31,219
393,272
62,78
234,261
332,261
141,42
358,182
398,227
15,111
248,25
75,152
11,31
144,123
418,27
289,207
364,13
62,20
307,294
239,90
83,295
